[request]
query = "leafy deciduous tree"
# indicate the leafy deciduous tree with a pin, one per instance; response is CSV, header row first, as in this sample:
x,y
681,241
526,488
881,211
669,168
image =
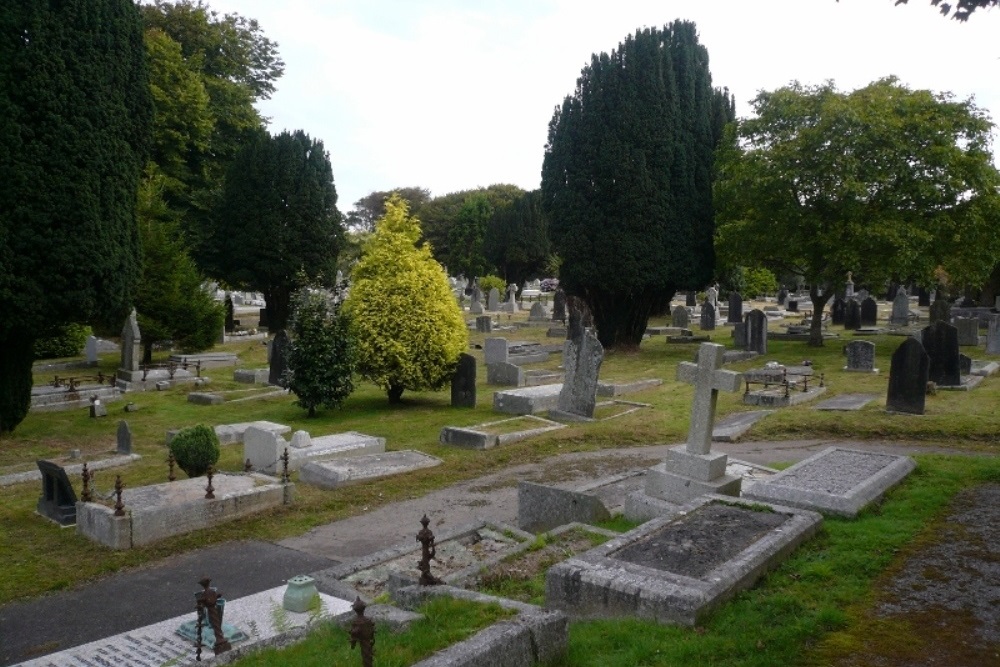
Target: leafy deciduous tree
x,y
321,356
371,207
439,215
626,178
277,222
408,328
74,135
886,182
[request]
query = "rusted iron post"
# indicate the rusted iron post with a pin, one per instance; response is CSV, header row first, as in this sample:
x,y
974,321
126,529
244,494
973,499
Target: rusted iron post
x,y
428,551
284,467
363,633
200,609
210,601
210,490
171,462
86,495
248,467
119,487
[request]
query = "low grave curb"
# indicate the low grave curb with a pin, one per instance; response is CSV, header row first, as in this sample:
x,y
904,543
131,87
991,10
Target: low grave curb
x,y
597,585
475,438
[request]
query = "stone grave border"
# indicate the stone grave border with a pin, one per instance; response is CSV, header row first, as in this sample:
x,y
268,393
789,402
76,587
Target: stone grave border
x,y
846,504
776,397
316,474
969,382
475,438
594,585
74,469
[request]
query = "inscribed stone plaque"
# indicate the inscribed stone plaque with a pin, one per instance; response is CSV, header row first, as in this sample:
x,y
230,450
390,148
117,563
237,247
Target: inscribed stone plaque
x,y
968,330
496,351
908,372
582,360
463,383
860,355
900,308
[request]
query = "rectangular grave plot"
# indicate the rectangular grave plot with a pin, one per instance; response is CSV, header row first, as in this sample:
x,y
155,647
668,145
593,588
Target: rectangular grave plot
x,y
835,481
602,584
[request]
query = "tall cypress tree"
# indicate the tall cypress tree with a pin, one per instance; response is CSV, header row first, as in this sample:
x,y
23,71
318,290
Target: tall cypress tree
x,y
627,177
75,116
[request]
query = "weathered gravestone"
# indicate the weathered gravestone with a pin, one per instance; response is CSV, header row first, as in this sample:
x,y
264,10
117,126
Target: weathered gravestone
x,y
279,359
496,351
582,358
230,323
923,297
838,311
782,296
463,383
861,295
90,349
740,335
849,285
735,314
692,469
993,336
900,308
852,318
680,317
707,316
892,291
493,300
940,341
869,312
510,305
131,349
968,330
860,356
756,331
691,299
476,307
537,313
559,306
484,323
792,305
124,438
58,500
908,372
940,311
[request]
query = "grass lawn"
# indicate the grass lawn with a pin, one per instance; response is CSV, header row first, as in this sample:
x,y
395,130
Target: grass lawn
x,y
775,623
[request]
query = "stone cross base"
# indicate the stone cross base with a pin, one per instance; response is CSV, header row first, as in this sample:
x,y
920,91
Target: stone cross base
x,y
684,476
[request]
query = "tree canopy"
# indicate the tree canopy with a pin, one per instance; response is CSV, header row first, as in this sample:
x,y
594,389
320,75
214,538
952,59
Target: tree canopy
x,y
440,214
626,178
886,182
516,241
75,116
371,207
408,328
963,9
277,223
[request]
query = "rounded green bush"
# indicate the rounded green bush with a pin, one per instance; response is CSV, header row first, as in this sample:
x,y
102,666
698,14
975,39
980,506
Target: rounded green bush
x,y
486,283
195,448
67,341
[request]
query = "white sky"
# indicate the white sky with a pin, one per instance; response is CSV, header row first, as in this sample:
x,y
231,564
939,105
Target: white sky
x,y
451,95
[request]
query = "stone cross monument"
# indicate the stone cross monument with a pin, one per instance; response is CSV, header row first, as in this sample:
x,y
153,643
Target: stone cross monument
x,y
692,469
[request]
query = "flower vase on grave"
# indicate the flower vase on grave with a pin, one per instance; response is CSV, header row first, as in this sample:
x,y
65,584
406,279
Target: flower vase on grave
x,y
300,594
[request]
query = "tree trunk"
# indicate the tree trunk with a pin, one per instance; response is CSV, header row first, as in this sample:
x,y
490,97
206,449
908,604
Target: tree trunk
x,y
16,358
278,308
395,393
816,326
621,318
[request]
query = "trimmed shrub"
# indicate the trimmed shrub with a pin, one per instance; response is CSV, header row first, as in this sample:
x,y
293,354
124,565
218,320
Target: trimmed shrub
x,y
486,283
67,341
195,448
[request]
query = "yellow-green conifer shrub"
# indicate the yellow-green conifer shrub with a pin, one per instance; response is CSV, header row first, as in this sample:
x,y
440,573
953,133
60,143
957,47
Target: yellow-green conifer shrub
x,y
406,323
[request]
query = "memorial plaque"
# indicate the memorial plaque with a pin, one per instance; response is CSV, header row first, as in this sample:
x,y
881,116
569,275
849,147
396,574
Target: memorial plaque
x,y
58,500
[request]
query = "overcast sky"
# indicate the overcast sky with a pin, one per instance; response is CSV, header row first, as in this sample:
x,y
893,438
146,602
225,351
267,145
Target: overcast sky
x,y
454,94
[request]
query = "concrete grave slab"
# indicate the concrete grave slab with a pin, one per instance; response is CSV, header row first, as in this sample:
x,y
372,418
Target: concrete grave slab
x,y
264,448
718,547
541,507
155,512
776,397
984,368
232,433
836,481
846,402
967,383
731,427
251,375
73,468
612,388
205,398
527,400
496,433
331,474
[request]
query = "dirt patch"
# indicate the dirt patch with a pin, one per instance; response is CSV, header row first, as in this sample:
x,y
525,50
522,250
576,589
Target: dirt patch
x,y
701,541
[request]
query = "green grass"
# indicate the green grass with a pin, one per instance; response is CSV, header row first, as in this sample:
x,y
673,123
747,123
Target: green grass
x,y
446,622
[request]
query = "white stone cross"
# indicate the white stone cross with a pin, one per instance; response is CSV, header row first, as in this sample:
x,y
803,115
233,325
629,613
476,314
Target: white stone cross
x,y
708,380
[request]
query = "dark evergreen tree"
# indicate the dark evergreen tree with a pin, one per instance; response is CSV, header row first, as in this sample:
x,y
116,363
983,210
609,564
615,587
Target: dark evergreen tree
x,y
465,238
517,240
627,178
321,356
277,223
75,116
440,214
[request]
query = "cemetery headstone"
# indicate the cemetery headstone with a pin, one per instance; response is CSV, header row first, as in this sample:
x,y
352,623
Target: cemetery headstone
x,y
712,296
97,407
484,323
993,336
968,330
493,300
559,306
792,305
861,295
923,297
849,286
900,308
679,317
782,296
537,313
496,351
691,299
230,314
860,356
476,307
463,383
740,335
707,316
940,341
838,311
124,438
582,358
510,305
869,312
58,500
90,349
940,310
908,374
131,344
756,331
852,318
735,315
892,292
279,359
301,440
263,321
964,364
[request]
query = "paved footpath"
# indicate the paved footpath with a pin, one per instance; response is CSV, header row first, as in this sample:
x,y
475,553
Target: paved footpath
x,y
164,589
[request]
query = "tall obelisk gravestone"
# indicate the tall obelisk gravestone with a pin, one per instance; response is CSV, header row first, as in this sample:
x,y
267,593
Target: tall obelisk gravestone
x,y
692,469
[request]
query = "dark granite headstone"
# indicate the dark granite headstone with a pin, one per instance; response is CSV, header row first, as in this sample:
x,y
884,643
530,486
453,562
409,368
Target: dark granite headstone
x,y
940,341
680,317
756,331
124,438
484,323
230,322
908,372
940,310
691,299
782,296
493,300
964,364
740,335
852,317
869,312
792,305
463,383
923,297
559,306
263,319
735,308
707,316
891,292
58,500
838,311
279,359
860,355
